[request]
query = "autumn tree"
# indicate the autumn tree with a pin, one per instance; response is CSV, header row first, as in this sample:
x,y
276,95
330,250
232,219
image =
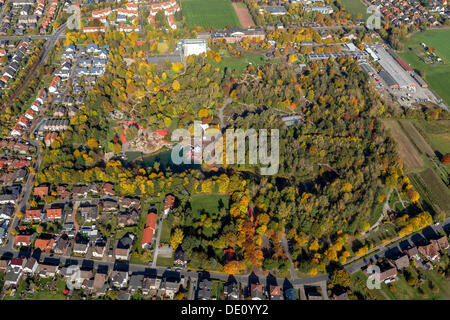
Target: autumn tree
x,y
177,238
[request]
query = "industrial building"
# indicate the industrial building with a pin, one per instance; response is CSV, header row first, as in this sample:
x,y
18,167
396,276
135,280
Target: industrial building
x,y
188,47
401,78
322,56
419,80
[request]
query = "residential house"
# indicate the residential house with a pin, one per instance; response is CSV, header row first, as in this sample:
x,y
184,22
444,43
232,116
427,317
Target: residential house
x,y
179,257
136,281
123,248
119,279
109,205
256,292
81,248
169,287
441,243
149,230
53,214
45,245
412,253
23,240
231,291
169,202
388,275
45,270
204,290
430,251
88,212
401,262
99,249
108,189
30,266
275,292
150,285
61,245
99,285
6,211
80,191
126,219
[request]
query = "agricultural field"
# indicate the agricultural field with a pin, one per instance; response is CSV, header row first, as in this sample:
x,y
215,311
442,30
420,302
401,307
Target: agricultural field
x,y
416,138
355,7
437,133
431,189
435,74
216,13
406,149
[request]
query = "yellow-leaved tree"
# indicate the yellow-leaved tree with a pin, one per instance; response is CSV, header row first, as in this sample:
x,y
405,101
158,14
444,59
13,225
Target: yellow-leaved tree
x,y
177,238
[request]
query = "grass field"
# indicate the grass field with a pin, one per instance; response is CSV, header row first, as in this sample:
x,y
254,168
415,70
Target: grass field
x,y
211,13
355,7
406,149
437,133
404,291
416,138
166,230
209,203
435,74
239,64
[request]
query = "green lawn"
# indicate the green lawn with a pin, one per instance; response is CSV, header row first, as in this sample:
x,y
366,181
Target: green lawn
x,y
217,290
355,7
164,262
211,13
209,203
420,291
358,284
435,74
239,64
437,133
166,230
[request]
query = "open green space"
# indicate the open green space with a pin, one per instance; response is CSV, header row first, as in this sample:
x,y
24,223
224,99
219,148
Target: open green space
x,y
437,134
355,7
209,203
213,13
433,286
166,230
435,74
239,64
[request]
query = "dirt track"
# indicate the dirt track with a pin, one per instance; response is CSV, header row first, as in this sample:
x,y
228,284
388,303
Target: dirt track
x,y
244,17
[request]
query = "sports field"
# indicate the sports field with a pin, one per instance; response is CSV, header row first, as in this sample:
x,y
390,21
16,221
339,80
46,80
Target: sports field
x,y
355,6
210,13
435,74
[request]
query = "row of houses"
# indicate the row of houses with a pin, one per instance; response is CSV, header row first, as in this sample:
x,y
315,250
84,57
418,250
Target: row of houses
x,y
429,251
169,8
94,282
399,12
14,64
25,120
